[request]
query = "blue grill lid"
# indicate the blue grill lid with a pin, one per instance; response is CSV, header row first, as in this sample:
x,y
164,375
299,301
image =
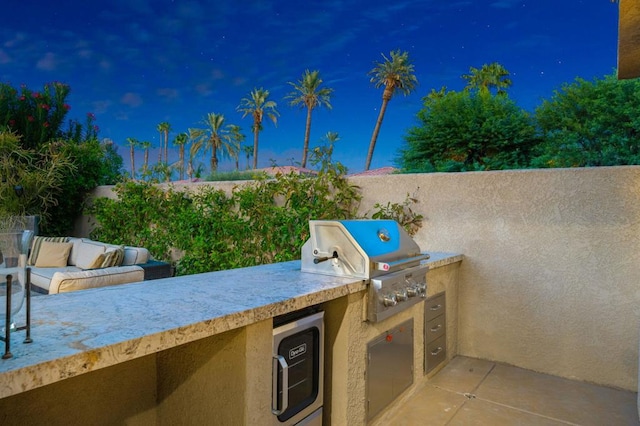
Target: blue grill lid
x,y
368,235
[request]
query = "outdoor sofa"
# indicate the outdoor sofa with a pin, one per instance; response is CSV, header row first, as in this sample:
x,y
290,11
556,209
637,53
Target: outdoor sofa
x,y
63,264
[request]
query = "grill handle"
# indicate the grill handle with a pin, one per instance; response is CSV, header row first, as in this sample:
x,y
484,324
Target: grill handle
x,y
279,360
325,258
391,266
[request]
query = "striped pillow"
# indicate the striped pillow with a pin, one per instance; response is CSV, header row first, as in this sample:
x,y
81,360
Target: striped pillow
x,y
37,242
113,257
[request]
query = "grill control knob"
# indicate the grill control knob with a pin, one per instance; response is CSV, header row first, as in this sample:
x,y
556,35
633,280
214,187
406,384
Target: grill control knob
x,y
401,295
389,300
412,291
422,289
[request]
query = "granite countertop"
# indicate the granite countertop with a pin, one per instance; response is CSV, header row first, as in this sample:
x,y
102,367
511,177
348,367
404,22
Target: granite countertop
x,y
74,333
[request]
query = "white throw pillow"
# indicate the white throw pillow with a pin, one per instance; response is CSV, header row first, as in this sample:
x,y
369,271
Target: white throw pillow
x,y
88,255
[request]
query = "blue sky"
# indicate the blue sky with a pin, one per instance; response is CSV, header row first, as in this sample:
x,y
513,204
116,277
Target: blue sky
x,y
137,63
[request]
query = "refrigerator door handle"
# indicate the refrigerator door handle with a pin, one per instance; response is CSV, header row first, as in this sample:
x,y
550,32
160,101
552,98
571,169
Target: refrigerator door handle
x,y
279,360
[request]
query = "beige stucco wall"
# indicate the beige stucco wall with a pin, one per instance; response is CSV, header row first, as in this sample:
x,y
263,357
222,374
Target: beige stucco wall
x,y
551,276
124,394
221,380
224,379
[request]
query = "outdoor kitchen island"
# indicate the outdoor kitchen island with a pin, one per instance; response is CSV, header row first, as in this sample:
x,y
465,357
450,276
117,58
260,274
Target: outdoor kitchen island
x,y
195,349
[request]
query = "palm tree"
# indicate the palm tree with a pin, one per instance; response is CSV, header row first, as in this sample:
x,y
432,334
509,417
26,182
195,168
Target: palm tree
x,y
162,172
257,104
218,139
435,95
164,128
237,137
196,138
492,76
145,166
323,153
133,143
394,74
331,138
308,94
180,141
248,151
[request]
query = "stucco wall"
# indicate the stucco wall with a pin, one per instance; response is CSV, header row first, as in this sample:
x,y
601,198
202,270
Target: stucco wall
x,y
124,394
551,276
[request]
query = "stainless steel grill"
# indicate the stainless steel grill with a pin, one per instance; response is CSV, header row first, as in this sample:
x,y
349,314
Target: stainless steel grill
x,y
380,251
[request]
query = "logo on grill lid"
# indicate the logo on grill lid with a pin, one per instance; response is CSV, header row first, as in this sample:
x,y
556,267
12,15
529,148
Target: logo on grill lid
x,y
384,235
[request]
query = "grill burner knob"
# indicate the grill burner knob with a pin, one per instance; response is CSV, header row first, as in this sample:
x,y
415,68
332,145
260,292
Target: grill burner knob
x,y
412,291
401,295
389,300
422,289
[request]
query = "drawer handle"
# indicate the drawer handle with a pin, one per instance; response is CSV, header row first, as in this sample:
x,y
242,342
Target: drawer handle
x,y
435,307
436,328
437,351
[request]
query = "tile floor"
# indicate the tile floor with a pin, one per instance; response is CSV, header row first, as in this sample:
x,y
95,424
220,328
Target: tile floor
x,y
475,392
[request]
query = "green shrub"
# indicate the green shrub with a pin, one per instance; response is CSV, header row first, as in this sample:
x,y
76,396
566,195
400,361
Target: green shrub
x,y
264,221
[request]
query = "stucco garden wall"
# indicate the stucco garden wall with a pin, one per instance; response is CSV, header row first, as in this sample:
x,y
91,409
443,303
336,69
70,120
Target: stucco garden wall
x,y
551,275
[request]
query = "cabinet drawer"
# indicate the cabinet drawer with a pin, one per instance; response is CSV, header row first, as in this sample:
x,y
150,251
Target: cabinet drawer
x,y
434,306
436,353
435,328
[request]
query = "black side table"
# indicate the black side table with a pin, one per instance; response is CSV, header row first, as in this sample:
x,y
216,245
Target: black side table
x,y
155,269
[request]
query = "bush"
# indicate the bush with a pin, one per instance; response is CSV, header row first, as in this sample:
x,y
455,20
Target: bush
x,y
469,130
591,123
264,221
32,180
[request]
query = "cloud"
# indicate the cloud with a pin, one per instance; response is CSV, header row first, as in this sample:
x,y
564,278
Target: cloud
x,y
168,93
203,89
131,99
48,62
4,57
16,40
105,65
217,74
100,107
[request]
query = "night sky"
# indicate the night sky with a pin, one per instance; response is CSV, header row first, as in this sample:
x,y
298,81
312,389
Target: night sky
x,y
137,63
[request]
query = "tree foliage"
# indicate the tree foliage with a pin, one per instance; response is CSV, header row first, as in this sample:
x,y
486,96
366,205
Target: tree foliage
x,y
468,130
490,76
95,164
265,221
37,116
591,123
72,162
308,93
257,105
31,181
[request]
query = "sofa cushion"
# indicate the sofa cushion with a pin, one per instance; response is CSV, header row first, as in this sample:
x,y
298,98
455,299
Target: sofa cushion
x,y
135,255
75,250
132,255
71,278
37,242
41,277
53,255
90,256
63,282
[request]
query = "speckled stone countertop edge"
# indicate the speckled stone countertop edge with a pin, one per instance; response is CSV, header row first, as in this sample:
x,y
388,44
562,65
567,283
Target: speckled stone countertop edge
x,y
75,333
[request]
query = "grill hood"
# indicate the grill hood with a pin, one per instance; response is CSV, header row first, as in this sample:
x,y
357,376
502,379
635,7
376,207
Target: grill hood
x,y
358,248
